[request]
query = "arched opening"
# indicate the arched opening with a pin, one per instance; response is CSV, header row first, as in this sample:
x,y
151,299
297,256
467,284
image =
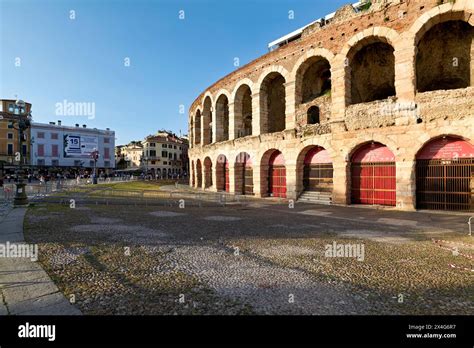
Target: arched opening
x,y
191,132
444,57
372,72
273,168
243,112
207,121
222,118
207,172
315,173
445,175
193,174
272,103
373,175
197,127
313,79
243,174
222,174
313,115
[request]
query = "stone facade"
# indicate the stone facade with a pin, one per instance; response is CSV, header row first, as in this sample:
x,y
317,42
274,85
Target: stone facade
x,y
386,106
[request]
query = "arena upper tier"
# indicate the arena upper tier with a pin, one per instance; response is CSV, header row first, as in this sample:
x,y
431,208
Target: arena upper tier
x,y
375,107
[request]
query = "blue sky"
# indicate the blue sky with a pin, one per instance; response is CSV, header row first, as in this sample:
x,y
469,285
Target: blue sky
x,y
172,60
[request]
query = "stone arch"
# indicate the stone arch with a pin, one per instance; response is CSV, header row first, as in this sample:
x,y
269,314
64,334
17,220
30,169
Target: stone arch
x,y
375,47
272,103
222,173
444,174
317,174
358,143
222,117
444,58
197,127
193,174
373,175
198,173
206,121
208,172
243,174
243,111
460,10
312,76
272,177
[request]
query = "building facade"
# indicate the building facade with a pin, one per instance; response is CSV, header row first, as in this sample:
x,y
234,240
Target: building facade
x,y
165,155
56,145
371,105
132,153
9,144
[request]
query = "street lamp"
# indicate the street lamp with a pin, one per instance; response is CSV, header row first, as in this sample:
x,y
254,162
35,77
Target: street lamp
x,y
95,156
24,122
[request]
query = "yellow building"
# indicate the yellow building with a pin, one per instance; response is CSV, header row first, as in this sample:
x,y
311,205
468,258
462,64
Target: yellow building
x,y
9,115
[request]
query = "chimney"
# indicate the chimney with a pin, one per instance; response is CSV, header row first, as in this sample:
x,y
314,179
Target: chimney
x,y
77,124
84,126
52,123
59,122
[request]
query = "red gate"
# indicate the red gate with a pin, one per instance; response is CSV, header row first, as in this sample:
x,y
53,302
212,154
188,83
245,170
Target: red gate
x,y
373,176
277,175
226,176
445,175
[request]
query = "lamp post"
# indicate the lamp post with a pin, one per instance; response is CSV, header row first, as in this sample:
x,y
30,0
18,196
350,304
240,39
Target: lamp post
x,y
95,156
24,122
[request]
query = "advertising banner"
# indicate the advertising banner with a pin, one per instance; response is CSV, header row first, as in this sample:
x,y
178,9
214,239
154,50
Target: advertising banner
x,y
79,145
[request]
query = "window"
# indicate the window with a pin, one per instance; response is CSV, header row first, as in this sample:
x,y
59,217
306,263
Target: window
x,y
40,135
10,135
55,163
106,164
54,136
77,163
165,146
164,153
165,163
106,153
11,108
313,115
152,144
10,149
54,150
106,140
174,157
152,153
23,149
40,162
91,164
153,162
175,146
10,124
170,155
41,150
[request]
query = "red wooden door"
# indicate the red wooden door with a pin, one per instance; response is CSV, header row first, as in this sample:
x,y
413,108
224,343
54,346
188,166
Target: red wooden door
x,y
226,176
277,176
373,175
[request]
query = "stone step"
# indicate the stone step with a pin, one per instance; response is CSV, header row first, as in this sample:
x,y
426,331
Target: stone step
x,y
316,197
314,201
